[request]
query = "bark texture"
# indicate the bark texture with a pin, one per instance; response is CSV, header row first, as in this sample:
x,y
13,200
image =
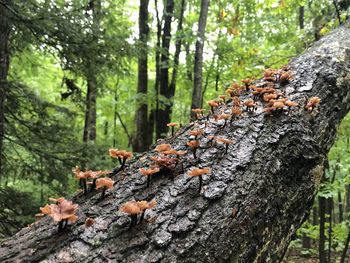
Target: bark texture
x,y
4,67
251,203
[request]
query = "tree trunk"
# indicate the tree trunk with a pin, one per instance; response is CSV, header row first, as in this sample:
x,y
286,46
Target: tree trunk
x,y
162,119
340,207
141,140
301,17
198,57
321,246
252,202
91,94
178,44
90,113
4,67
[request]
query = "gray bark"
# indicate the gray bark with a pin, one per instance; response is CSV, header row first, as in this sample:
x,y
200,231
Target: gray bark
x,y
251,204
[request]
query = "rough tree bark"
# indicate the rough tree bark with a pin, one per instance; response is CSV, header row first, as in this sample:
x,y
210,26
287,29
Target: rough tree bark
x,y
198,57
141,140
4,67
251,204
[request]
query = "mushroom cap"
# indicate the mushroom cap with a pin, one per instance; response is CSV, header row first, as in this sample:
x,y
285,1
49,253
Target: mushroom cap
x,y
197,110
224,140
164,161
163,147
174,152
246,81
198,171
196,132
96,174
313,101
223,116
150,171
172,124
290,103
236,110
64,209
193,144
213,103
104,182
278,105
115,153
130,208
249,103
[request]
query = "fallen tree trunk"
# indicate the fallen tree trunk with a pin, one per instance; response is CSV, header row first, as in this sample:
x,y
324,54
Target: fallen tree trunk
x,y
257,195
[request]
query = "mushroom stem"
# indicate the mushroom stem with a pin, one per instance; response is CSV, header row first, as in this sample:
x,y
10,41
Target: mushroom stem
x,y
133,220
93,185
226,147
212,109
224,124
120,160
172,131
60,226
83,181
148,180
194,153
142,216
200,183
103,194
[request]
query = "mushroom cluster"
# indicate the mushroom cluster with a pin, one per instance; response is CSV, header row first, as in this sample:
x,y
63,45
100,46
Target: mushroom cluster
x,y
63,211
135,208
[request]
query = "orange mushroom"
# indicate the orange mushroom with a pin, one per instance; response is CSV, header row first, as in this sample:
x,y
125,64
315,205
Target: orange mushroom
x,y
133,208
199,172
312,103
149,172
104,183
122,156
163,147
225,141
198,112
172,125
61,212
194,145
196,133
213,104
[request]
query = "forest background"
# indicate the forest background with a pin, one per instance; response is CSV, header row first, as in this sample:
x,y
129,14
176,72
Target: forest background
x,y
79,77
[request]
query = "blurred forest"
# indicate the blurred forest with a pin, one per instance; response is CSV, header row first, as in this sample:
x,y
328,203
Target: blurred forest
x,y
79,77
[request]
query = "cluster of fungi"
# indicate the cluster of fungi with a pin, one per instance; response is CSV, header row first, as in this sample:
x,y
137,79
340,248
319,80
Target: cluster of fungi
x,y
167,160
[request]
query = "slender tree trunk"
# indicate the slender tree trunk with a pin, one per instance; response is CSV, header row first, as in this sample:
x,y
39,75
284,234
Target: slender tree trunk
x,y
162,118
90,113
141,140
346,247
198,57
301,17
91,94
329,219
340,207
4,67
322,215
153,118
189,71
178,44
347,196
